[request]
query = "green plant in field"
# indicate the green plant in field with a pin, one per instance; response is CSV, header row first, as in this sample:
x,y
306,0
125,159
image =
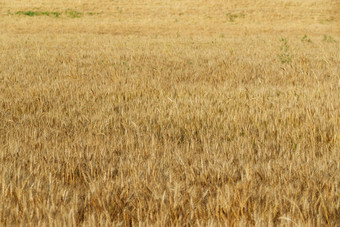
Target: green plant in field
x,y
233,16
69,13
305,38
328,39
73,13
93,13
38,13
285,55
55,14
26,13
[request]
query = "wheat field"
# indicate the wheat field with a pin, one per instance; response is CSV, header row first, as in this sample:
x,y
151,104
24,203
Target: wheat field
x,y
170,113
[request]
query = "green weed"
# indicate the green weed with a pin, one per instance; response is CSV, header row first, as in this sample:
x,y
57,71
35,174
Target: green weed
x,y
306,39
73,13
328,39
233,16
285,55
38,13
93,13
68,13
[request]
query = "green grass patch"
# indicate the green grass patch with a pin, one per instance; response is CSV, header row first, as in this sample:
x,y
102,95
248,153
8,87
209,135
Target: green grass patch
x,y
73,13
328,39
305,38
285,55
38,13
93,13
67,13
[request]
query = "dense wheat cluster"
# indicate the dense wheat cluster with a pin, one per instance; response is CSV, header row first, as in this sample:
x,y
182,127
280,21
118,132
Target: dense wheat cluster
x,y
163,113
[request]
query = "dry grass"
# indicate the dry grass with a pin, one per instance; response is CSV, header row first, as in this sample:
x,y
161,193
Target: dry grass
x,y
170,112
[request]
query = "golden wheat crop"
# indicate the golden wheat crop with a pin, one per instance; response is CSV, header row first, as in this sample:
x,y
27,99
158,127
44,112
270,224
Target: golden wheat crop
x,y
170,113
